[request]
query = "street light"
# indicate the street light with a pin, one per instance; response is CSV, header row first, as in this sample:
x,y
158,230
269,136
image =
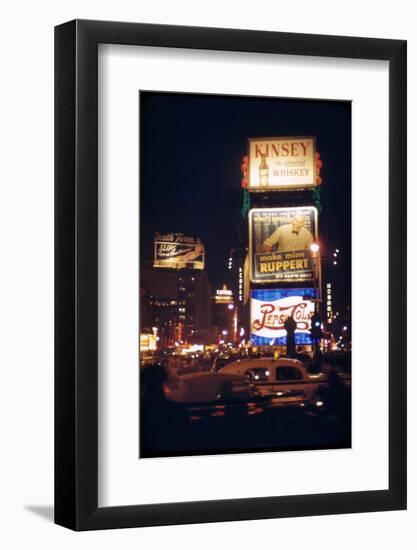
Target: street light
x,y
315,248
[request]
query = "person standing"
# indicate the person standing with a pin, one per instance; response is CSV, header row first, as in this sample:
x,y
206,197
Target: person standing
x,y
290,325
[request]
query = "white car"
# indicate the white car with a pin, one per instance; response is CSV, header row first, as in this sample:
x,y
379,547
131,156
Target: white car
x,y
207,387
277,375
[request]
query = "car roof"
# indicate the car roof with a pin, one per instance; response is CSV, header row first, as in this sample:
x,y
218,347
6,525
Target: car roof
x,y
260,362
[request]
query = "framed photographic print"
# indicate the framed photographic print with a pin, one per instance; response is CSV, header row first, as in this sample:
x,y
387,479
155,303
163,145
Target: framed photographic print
x,y
230,275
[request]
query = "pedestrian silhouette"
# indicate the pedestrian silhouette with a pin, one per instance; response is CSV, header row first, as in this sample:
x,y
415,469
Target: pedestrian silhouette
x,y
290,325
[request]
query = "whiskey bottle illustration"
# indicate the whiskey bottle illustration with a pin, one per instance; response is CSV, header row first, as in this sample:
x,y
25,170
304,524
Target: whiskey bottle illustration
x,y
263,172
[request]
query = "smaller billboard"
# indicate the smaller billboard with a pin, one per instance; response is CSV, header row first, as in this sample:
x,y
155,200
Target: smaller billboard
x,y
280,242
271,308
223,296
178,251
280,163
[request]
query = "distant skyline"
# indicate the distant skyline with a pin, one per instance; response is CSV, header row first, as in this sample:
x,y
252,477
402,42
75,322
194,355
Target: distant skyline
x,y
191,151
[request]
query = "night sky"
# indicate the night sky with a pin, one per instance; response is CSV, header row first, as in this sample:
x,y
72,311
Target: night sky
x,y
191,151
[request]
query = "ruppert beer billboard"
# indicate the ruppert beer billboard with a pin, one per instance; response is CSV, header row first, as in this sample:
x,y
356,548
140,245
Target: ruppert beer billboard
x,y
270,309
178,251
279,244
281,163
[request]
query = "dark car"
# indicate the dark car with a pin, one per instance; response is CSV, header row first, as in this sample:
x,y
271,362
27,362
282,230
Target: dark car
x,y
226,411
214,394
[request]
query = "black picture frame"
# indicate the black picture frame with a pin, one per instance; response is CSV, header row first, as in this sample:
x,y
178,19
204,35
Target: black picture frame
x,y
76,271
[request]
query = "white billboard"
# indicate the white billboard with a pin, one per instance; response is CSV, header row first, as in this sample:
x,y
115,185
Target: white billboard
x,y
271,307
281,163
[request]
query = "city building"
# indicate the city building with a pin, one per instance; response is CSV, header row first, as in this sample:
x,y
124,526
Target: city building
x,y
236,282
336,314
178,303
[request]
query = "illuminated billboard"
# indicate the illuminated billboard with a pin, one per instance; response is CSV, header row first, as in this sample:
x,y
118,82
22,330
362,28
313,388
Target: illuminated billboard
x,y
148,342
270,309
223,296
178,251
279,244
281,163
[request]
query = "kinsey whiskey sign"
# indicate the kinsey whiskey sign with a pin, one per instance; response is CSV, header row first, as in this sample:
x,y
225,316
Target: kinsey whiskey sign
x,y
281,163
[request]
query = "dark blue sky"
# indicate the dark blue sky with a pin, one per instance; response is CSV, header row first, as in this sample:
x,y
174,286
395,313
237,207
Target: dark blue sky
x,y
191,150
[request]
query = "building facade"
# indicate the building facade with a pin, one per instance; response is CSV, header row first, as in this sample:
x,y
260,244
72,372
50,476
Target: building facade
x,y
178,303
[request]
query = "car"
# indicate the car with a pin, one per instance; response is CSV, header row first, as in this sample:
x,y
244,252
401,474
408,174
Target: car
x,y
220,361
276,376
207,387
226,411
211,394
